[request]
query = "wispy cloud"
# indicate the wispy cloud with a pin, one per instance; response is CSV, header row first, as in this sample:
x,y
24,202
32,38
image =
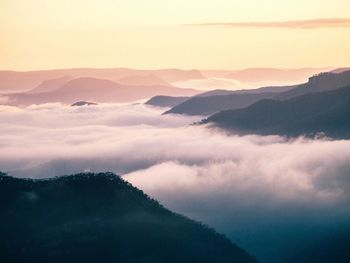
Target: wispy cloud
x,y
305,24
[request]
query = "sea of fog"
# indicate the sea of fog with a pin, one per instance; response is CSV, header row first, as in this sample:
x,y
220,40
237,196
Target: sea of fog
x,y
269,194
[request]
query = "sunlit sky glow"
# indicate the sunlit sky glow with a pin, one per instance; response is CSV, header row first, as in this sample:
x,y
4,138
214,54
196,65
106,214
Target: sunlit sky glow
x,y
42,34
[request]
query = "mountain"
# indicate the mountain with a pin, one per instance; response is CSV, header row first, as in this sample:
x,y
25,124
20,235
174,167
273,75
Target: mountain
x,y
219,100
20,81
50,85
166,101
216,92
222,92
147,80
206,105
325,112
320,82
98,90
100,218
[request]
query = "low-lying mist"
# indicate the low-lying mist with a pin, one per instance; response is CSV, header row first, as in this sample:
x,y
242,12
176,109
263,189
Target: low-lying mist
x,y
270,194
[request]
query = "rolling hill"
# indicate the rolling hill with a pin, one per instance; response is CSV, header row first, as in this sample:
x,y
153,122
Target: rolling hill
x,y
100,218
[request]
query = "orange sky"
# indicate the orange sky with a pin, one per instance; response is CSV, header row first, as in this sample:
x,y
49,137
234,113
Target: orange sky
x,y
41,34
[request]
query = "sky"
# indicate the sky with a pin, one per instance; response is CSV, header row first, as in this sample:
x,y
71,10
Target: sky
x,y
221,34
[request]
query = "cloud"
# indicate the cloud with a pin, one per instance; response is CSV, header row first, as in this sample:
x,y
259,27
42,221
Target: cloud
x,y
209,84
304,24
264,192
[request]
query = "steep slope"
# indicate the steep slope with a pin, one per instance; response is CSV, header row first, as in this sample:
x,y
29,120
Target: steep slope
x,y
166,101
322,112
148,80
98,90
99,218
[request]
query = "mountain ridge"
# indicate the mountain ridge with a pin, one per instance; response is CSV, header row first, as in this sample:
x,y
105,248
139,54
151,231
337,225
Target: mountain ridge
x,y
205,104
94,89
326,113
91,217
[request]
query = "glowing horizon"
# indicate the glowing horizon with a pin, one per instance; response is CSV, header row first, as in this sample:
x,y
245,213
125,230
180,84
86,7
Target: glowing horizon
x,y
38,34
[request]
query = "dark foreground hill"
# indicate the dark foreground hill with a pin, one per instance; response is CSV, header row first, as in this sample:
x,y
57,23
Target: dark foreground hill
x,y
321,112
99,218
333,248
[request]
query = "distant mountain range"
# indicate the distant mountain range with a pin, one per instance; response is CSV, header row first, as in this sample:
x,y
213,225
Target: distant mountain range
x,y
91,89
20,81
326,113
50,85
17,81
214,101
100,218
143,80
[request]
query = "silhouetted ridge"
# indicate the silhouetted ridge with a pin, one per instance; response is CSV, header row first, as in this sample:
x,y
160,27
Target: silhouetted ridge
x,y
211,102
322,112
99,218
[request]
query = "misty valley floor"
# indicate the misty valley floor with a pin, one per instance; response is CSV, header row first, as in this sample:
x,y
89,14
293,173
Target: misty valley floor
x,y
271,195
